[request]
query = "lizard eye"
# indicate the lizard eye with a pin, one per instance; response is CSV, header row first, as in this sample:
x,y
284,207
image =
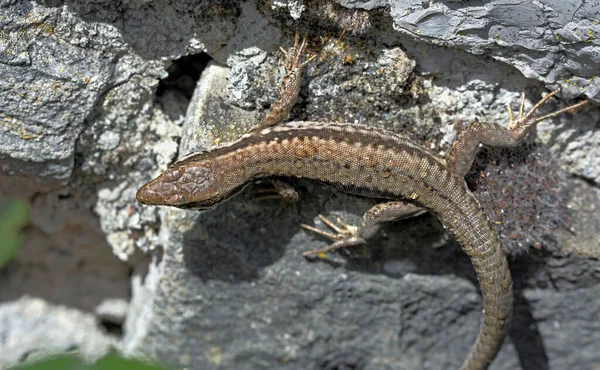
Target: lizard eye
x,y
172,174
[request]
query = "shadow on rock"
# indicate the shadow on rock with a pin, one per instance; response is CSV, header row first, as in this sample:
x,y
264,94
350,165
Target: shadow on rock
x,y
237,239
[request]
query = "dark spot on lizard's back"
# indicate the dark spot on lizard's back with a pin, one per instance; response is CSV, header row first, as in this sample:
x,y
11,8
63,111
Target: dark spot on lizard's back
x,y
386,173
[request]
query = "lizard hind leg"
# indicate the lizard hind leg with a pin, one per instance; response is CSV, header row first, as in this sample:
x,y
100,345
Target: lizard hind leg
x,y
461,155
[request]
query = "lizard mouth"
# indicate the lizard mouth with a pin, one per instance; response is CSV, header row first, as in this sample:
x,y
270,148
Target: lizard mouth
x,y
163,190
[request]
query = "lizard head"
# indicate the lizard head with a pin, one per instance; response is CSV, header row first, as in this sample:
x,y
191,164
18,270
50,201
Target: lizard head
x,y
189,183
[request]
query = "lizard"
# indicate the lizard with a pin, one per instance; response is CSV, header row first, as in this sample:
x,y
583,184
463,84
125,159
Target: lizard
x,y
370,162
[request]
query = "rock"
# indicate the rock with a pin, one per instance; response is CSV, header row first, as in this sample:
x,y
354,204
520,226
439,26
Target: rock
x,y
32,329
83,125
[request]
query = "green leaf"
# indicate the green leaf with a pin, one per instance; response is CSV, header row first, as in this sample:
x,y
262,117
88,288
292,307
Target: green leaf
x,y
14,217
113,361
69,362
56,363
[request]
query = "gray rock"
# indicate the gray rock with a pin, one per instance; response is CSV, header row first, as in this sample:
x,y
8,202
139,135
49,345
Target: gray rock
x,y
49,86
551,41
32,329
229,288
583,237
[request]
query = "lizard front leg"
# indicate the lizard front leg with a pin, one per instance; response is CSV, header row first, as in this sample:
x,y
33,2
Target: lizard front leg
x,y
290,86
347,235
283,191
288,94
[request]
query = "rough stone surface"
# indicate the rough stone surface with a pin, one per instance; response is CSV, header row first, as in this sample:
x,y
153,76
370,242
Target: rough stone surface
x,y
81,102
586,201
31,329
52,77
550,40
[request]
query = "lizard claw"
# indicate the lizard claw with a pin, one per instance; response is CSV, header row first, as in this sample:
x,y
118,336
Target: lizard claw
x,y
341,232
526,119
345,236
293,57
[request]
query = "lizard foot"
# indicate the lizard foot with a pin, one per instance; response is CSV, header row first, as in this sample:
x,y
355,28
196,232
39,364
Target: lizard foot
x,y
293,57
290,86
281,190
345,236
526,119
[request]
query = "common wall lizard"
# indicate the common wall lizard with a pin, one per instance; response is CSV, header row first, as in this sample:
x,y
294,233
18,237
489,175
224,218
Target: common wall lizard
x,y
369,162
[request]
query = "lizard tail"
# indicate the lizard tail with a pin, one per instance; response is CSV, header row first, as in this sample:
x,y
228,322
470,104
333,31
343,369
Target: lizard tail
x,y
495,280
